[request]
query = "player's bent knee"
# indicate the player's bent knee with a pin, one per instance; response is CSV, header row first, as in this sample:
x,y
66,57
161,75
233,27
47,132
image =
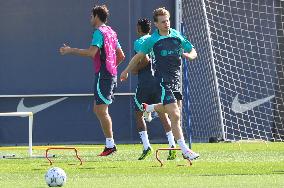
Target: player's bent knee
x,y
100,112
175,116
139,115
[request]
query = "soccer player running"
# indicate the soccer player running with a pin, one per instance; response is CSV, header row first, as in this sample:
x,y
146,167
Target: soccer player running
x,y
145,93
168,45
106,53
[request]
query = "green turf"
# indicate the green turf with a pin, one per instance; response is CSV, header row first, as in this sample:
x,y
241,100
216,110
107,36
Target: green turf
x,y
220,165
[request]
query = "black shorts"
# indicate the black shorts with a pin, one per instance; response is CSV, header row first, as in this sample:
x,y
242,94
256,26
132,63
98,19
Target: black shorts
x,y
178,95
104,89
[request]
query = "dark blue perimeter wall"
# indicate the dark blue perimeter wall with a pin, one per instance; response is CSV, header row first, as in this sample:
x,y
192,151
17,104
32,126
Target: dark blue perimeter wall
x,y
30,64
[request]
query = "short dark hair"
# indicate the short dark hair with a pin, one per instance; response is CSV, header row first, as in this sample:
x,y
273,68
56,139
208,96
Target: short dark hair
x,y
101,11
145,25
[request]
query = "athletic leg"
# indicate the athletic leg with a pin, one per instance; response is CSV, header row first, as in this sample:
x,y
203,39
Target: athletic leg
x,y
171,107
102,114
167,126
104,89
141,124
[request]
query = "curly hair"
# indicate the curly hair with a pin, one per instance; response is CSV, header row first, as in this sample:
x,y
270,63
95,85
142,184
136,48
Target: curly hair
x,y
145,25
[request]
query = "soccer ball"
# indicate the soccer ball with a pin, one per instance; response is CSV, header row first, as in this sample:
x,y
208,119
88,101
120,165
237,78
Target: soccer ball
x,y
55,177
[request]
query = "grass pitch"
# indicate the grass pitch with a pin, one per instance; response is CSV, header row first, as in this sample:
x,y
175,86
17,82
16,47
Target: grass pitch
x,y
220,165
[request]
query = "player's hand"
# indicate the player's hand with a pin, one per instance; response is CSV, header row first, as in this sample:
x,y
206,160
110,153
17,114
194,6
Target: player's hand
x,y
191,55
65,49
123,75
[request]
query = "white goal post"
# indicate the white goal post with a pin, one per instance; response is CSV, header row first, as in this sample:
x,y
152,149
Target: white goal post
x,y
30,116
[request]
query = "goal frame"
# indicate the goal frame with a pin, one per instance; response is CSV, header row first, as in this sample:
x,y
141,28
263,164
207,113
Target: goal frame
x,y
30,117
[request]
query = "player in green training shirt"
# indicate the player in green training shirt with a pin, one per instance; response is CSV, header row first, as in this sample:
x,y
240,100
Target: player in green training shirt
x,y
168,46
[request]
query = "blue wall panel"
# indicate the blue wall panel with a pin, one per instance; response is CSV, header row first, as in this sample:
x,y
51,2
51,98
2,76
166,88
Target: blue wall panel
x,y
30,64
71,120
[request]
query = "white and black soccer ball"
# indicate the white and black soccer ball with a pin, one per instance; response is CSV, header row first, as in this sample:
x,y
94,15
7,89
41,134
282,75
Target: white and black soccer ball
x,y
55,177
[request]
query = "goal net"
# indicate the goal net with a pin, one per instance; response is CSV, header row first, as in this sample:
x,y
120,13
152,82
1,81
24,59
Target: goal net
x,y
235,88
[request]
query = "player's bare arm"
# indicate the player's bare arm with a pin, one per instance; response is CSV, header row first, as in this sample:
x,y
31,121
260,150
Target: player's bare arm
x,y
90,52
119,56
134,61
141,65
190,55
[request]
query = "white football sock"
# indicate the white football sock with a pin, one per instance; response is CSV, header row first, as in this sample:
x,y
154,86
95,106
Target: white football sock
x,y
150,108
184,148
109,143
171,139
145,140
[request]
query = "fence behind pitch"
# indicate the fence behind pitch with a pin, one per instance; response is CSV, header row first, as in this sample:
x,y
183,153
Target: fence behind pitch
x,y
235,86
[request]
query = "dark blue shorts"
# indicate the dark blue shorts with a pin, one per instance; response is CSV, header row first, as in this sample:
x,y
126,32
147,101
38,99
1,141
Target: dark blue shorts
x,y
159,93
104,89
169,93
149,95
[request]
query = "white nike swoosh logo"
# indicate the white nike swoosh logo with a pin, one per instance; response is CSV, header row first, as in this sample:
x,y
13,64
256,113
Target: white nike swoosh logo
x,y
35,109
237,107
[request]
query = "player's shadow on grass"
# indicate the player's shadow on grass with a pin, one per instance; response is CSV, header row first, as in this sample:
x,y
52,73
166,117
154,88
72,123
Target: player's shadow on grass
x,y
37,169
92,168
70,164
88,168
165,165
278,172
47,164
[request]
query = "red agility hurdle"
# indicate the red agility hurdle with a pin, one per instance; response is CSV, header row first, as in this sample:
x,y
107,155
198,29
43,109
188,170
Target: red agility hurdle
x,y
167,149
62,148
